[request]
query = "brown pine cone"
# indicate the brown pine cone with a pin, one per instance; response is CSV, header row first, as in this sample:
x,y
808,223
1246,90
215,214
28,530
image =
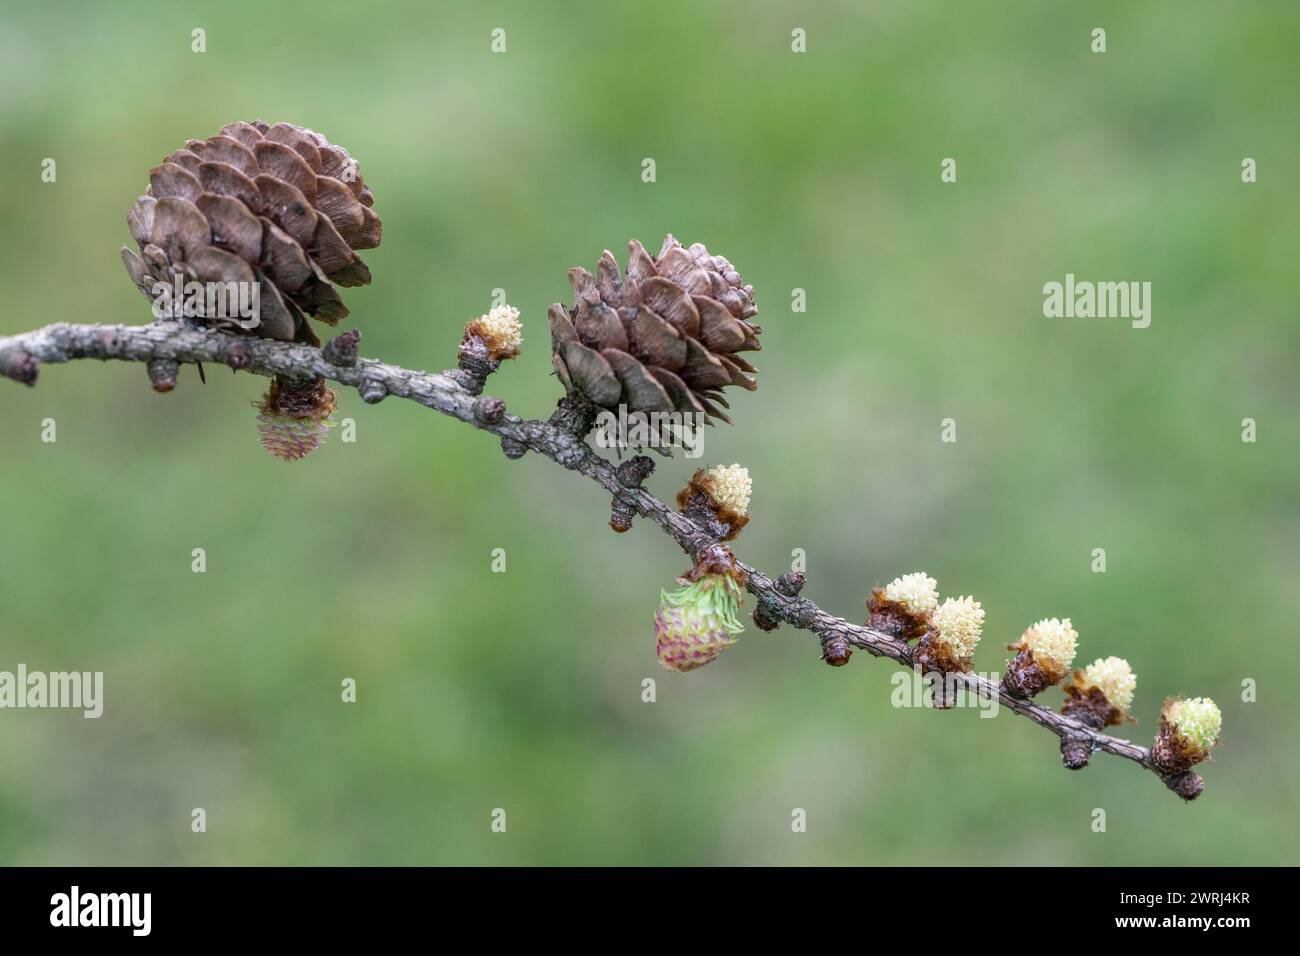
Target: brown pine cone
x,y
277,205
663,337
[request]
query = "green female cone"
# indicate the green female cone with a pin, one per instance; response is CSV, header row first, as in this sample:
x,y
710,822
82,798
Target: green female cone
x,y
695,623
294,417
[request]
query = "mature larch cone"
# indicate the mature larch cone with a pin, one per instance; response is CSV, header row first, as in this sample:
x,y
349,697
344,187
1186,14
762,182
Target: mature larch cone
x,y
277,209
277,205
666,336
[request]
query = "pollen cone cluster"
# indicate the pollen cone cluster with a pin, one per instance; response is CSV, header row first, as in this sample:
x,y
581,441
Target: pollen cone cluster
x,y
278,205
666,335
946,634
1100,694
722,492
1189,730
499,333
1044,654
902,608
956,627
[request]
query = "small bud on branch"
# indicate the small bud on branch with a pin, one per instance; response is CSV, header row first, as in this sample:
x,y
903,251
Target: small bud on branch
x,y
342,349
489,410
163,374
836,650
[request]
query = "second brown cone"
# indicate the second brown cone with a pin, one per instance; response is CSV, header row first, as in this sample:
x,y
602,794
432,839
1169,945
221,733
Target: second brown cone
x,y
663,336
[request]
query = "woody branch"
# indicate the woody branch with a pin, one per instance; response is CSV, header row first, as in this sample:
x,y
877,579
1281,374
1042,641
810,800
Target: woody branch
x,y
456,393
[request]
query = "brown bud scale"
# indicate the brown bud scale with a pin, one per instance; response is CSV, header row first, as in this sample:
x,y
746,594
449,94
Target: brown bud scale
x,y
1089,705
894,618
933,656
1171,752
1025,677
696,500
716,559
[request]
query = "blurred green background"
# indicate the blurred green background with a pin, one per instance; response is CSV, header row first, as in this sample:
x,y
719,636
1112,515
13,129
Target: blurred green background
x,y
522,690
